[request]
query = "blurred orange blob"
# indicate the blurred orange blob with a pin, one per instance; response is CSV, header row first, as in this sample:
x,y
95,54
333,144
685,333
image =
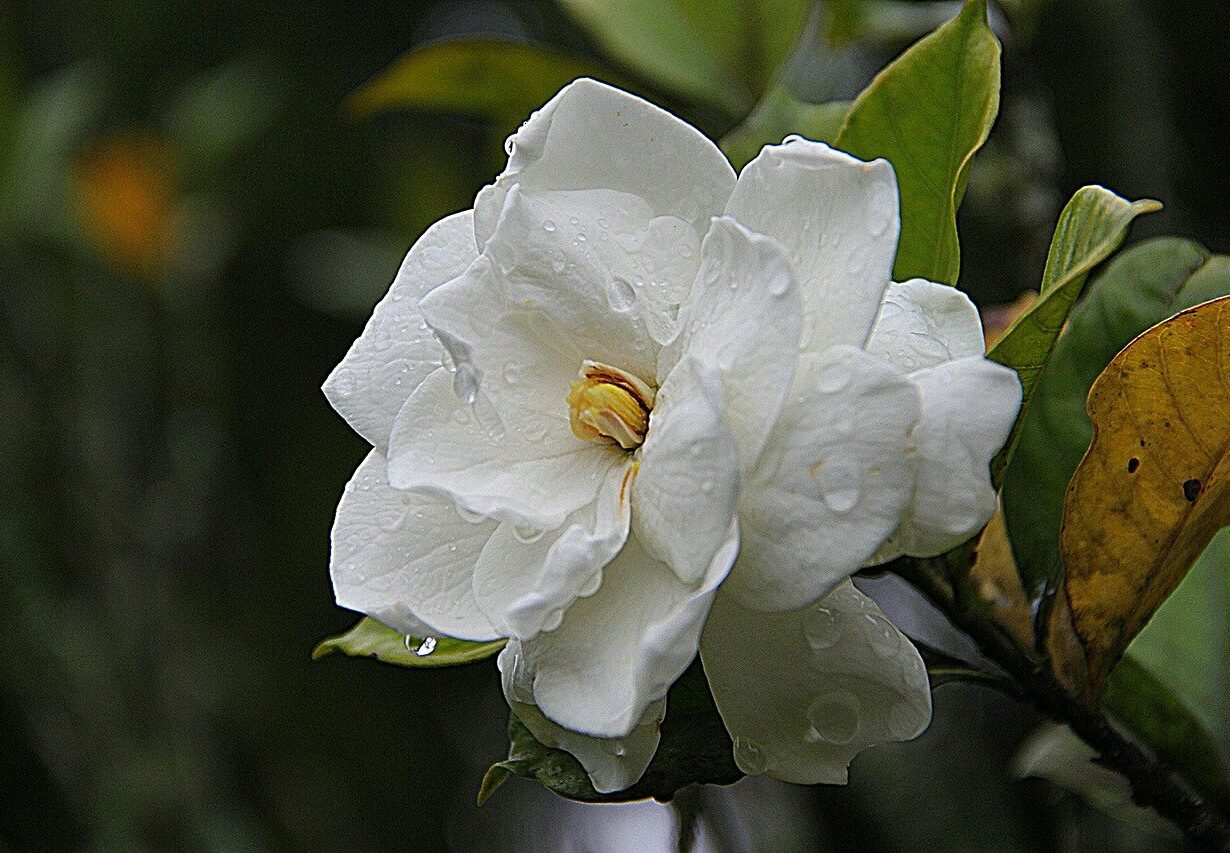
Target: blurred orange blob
x,y
123,196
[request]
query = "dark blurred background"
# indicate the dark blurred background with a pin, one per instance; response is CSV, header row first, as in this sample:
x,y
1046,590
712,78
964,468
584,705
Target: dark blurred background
x,y
193,228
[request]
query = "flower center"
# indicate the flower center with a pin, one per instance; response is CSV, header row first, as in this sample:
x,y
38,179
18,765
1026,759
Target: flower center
x,y
609,406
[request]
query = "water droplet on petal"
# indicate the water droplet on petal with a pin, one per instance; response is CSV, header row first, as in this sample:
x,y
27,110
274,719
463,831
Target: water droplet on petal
x,y
832,378
527,535
548,226
750,757
822,628
465,383
842,499
880,635
835,717
510,146
778,285
614,747
620,295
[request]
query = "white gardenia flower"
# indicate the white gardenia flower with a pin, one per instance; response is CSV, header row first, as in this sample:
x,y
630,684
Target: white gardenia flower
x,y
630,408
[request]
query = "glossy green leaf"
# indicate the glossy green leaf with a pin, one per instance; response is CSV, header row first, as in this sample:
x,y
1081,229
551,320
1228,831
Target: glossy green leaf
x,y
722,52
1152,712
372,639
1091,227
501,81
1139,288
695,748
928,113
778,115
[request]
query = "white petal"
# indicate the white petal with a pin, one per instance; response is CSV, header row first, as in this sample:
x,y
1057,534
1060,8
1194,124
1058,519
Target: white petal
x,y
685,493
605,273
832,482
838,218
524,583
613,764
396,350
742,318
968,408
620,650
802,692
524,476
406,559
591,135
922,324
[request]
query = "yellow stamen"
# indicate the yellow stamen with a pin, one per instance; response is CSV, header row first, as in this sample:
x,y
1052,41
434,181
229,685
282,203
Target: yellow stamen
x,y
609,406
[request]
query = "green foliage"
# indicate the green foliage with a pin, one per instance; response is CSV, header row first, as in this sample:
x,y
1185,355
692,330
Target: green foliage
x,y
694,748
1140,288
722,52
778,115
500,81
372,639
928,113
1090,228
1144,704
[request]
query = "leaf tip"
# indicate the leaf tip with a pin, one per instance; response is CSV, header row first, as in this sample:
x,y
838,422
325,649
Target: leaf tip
x,y
495,776
323,648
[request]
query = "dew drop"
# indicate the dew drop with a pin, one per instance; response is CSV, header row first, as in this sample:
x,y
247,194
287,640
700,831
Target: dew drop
x,y
842,497
510,146
620,295
832,379
750,757
465,383
426,647
520,683
880,636
602,223
614,747
527,535
778,285
821,628
557,262
835,717
573,220
903,722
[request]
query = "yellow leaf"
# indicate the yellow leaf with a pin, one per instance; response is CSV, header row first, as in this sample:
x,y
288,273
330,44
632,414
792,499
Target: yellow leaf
x,y
1152,489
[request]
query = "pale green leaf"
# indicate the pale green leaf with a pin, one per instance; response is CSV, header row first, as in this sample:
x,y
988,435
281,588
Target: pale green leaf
x,y
372,639
723,52
928,113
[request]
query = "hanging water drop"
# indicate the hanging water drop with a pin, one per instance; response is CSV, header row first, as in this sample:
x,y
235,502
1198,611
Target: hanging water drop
x,y
465,383
527,535
821,628
620,295
750,757
835,717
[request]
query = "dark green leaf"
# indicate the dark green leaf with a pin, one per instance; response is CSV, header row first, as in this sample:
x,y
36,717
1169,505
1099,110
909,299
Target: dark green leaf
x,y
1148,708
695,748
928,113
501,81
778,115
1140,288
372,639
1090,228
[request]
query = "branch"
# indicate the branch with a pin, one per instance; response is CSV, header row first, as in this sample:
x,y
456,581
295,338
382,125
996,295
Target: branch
x,y
1153,784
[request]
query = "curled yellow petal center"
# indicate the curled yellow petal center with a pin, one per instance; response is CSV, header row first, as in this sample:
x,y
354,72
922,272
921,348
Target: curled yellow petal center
x,y
610,406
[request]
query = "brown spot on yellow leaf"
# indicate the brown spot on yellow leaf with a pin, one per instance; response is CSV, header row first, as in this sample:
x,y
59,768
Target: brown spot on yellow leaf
x,y
1130,533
